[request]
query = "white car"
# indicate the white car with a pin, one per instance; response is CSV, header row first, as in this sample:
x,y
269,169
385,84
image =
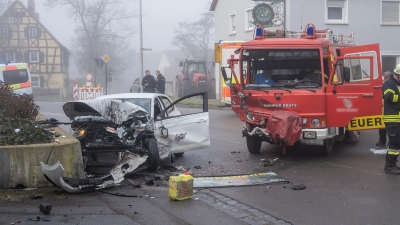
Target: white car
x,y
194,126
142,127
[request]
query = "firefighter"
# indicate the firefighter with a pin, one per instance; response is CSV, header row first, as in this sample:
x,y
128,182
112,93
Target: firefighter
x,y
391,117
326,77
382,132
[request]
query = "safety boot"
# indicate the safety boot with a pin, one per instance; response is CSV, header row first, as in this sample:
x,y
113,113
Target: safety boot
x,y
390,166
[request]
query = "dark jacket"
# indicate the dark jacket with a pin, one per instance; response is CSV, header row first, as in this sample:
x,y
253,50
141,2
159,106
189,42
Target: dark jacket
x,y
391,106
151,84
160,84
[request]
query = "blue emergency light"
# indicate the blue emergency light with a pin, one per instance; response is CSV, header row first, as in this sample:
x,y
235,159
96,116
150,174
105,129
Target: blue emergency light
x,y
259,32
310,30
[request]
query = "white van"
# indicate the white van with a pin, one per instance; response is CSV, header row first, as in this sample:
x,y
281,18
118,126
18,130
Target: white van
x,y
18,77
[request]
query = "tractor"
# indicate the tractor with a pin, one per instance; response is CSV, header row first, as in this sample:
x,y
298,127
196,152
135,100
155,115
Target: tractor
x,y
194,78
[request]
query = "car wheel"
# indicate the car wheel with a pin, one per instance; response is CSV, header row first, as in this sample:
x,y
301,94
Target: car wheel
x,y
327,148
179,154
253,144
153,154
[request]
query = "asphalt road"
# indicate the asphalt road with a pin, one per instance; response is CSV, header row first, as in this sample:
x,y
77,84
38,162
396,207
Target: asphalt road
x,y
347,187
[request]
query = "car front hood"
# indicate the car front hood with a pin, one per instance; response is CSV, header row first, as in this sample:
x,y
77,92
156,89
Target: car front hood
x,y
117,111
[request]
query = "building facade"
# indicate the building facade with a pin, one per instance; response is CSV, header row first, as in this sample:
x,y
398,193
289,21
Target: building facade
x,y
23,38
371,21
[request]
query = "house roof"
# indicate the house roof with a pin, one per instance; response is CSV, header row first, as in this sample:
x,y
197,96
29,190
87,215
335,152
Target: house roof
x,y
174,57
213,5
12,4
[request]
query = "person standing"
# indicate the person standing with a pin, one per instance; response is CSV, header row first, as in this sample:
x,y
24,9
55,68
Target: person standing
x,y
391,117
382,132
148,83
160,83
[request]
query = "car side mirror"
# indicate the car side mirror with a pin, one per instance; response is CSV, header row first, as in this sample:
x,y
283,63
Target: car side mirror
x,y
346,74
180,64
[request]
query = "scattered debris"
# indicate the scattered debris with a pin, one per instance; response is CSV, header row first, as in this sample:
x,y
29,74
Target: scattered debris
x,y
197,167
378,151
45,208
34,219
127,187
170,168
209,162
239,160
36,197
233,152
298,187
237,180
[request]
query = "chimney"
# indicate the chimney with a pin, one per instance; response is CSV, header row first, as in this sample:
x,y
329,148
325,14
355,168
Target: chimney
x,y
31,8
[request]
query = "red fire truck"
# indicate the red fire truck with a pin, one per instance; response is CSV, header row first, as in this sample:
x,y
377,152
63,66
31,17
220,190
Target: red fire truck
x,y
303,87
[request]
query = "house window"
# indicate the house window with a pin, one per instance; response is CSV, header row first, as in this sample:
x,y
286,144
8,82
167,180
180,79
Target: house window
x,y
336,11
249,18
3,31
232,23
390,12
11,56
35,81
34,57
32,32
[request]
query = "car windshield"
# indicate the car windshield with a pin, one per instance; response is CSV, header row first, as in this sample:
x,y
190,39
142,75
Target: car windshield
x,y
142,102
283,68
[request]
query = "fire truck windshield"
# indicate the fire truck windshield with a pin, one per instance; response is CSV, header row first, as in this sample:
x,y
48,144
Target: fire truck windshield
x,y
277,68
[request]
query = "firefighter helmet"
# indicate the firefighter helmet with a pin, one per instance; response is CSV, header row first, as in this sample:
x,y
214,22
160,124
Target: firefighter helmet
x,y
397,70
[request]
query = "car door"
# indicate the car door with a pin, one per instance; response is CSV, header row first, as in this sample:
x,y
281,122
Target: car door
x,y
358,96
186,132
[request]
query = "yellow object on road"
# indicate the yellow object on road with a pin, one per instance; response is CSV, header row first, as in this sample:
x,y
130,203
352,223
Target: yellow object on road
x,y
180,187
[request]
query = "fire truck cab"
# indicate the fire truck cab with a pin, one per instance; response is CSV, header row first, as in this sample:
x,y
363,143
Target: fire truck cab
x,y
324,78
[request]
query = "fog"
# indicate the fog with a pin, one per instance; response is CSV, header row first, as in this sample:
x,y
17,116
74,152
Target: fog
x,y
159,19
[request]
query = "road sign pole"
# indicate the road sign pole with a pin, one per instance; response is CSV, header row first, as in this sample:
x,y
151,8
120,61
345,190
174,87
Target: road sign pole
x,y
106,79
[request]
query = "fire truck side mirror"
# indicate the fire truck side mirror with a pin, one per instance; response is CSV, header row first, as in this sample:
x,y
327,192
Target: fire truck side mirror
x,y
346,74
227,81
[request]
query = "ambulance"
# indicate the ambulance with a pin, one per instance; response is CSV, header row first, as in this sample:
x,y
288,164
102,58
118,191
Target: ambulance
x,y
17,76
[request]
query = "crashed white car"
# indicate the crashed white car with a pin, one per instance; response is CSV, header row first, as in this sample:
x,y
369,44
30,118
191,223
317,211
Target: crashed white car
x,y
141,127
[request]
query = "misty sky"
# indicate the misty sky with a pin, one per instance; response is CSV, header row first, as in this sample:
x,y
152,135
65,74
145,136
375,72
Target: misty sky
x,y
159,19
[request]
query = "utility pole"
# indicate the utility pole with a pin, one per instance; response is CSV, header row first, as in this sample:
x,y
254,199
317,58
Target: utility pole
x,y
141,40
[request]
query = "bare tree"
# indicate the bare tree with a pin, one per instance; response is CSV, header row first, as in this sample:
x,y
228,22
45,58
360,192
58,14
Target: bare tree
x,y
195,38
102,27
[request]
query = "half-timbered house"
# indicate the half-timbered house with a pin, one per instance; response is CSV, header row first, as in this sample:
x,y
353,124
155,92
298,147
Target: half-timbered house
x,y
23,38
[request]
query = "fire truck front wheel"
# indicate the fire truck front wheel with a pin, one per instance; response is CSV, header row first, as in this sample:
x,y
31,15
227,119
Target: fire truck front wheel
x,y
253,144
327,148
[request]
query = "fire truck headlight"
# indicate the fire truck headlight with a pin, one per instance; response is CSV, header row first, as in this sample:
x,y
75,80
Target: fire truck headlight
x,y
250,117
315,122
241,95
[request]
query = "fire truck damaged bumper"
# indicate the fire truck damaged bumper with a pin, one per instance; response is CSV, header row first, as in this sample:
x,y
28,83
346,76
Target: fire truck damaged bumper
x,y
308,136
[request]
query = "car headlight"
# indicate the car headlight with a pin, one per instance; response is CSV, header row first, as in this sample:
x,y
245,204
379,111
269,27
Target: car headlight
x,y
315,122
79,133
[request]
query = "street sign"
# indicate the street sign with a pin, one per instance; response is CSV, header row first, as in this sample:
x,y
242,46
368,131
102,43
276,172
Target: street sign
x,y
89,77
106,58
